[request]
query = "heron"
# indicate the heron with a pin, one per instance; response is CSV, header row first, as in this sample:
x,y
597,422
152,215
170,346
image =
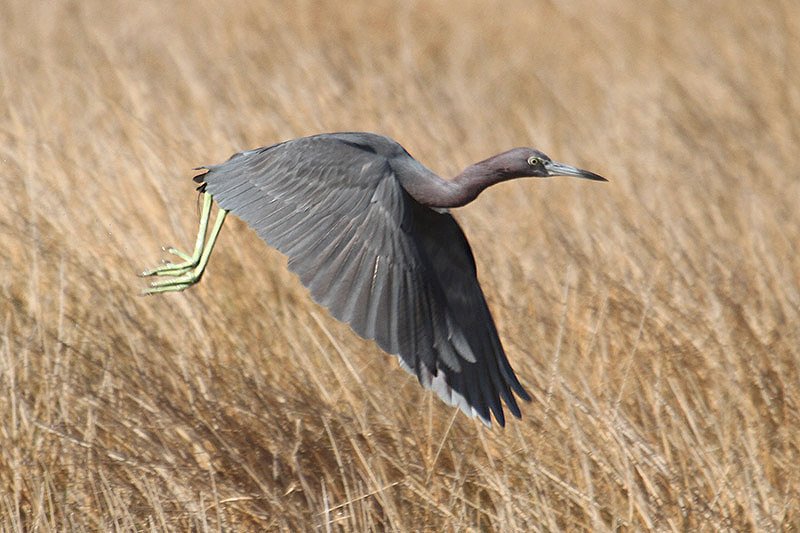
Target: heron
x,y
368,230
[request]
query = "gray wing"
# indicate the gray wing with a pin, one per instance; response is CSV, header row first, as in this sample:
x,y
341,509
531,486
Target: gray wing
x,y
490,376
397,272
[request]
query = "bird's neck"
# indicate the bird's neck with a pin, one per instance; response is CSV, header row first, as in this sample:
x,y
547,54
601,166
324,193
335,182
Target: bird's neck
x,y
429,189
474,180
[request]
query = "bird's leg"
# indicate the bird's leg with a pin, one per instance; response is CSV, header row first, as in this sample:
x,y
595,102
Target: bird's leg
x,y
190,275
189,262
191,270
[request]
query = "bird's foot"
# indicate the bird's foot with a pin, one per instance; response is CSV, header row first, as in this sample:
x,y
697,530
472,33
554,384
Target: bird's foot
x,y
169,268
187,273
174,284
184,274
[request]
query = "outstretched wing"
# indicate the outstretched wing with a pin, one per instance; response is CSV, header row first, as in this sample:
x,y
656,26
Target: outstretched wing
x,y
490,377
396,271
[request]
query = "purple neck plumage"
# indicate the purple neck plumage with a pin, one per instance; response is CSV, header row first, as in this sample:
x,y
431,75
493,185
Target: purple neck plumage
x,y
433,191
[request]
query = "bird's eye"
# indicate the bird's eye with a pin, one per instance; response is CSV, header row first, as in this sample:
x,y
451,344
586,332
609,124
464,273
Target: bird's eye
x,y
534,161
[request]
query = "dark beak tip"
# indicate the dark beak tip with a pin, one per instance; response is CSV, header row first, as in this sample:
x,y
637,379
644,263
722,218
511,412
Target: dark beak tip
x,y
592,176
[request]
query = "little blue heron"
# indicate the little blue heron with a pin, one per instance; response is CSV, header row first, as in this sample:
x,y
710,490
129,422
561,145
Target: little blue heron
x,y
366,227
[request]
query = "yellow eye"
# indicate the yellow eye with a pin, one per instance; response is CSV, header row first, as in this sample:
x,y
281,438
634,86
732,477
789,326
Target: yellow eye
x,y
534,161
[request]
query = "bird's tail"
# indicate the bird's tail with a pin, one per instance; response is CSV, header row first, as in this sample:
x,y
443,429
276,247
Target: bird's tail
x,y
201,179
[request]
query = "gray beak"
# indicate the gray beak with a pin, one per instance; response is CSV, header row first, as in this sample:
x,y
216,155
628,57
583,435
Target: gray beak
x,y
554,168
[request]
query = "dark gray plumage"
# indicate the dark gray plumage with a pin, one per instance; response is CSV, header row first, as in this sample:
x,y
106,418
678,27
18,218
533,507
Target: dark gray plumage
x,y
366,228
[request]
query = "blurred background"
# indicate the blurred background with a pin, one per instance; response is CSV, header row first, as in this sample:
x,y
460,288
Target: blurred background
x,y
654,319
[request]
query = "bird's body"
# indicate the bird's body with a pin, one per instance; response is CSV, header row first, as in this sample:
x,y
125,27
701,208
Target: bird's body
x,y
366,228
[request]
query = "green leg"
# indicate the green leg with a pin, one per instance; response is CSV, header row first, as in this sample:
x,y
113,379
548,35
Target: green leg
x,y
191,270
189,262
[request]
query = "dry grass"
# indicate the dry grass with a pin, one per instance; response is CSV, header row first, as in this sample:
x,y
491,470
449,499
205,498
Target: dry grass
x,y
654,319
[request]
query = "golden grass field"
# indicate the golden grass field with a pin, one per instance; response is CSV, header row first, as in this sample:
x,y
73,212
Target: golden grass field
x,y
655,319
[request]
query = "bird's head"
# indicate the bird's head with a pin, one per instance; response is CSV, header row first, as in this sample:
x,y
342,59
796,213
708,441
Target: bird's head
x,y
529,162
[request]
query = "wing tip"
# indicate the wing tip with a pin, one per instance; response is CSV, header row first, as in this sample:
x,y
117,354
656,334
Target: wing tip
x,y
438,383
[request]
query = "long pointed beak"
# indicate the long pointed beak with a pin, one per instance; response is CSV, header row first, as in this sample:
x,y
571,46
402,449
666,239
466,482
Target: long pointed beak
x,y
554,168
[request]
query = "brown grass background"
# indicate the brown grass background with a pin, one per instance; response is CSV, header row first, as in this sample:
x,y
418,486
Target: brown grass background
x,y
654,318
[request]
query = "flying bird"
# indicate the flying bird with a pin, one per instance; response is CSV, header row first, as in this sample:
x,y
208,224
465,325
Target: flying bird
x,y
367,229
